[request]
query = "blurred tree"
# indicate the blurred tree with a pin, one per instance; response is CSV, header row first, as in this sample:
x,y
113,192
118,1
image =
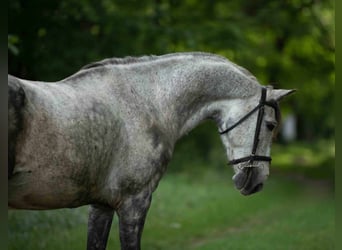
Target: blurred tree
x,y
288,44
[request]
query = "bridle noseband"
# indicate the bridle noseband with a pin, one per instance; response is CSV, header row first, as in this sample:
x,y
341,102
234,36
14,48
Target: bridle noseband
x,y
260,108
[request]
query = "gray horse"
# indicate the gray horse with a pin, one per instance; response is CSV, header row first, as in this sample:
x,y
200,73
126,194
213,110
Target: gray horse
x,y
105,135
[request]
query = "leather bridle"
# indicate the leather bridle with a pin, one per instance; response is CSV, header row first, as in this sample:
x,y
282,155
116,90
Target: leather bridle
x,y
260,108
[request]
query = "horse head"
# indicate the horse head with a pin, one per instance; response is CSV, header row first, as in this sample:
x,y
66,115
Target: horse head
x,y
246,132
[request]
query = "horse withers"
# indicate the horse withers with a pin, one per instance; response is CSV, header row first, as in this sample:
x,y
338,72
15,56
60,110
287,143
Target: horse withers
x,y
105,135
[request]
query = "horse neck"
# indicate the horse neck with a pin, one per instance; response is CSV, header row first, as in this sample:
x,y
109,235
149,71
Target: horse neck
x,y
203,92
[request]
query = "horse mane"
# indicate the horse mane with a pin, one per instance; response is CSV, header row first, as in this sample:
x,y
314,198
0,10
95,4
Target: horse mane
x,y
147,58
119,61
132,59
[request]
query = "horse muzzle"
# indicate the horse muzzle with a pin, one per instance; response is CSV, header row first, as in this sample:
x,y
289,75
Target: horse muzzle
x,y
247,180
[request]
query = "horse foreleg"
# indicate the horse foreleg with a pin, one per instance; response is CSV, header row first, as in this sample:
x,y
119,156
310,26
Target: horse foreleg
x,y
99,223
132,213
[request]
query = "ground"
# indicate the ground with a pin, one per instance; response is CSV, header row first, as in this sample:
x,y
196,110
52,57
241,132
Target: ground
x,y
197,207
202,211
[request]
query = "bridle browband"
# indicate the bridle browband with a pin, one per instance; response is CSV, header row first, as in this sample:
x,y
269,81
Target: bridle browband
x,y
260,108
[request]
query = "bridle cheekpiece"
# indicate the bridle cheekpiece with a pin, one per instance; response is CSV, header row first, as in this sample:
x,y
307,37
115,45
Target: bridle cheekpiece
x,y
260,108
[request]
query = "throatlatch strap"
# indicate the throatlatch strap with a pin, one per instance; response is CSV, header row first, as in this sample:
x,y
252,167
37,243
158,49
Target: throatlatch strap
x,y
241,120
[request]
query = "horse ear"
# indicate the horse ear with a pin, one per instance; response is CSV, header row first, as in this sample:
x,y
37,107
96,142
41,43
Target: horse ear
x,y
279,94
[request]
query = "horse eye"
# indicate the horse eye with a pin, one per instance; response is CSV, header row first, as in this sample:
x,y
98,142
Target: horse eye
x,y
271,125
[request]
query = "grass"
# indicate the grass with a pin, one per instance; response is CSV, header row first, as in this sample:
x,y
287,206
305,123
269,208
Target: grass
x,y
197,207
204,212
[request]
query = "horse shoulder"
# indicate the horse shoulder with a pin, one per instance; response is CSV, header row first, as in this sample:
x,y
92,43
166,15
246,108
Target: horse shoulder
x,y
142,162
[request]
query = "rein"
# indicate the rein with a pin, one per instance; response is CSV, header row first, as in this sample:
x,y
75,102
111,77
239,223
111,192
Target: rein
x,y
260,108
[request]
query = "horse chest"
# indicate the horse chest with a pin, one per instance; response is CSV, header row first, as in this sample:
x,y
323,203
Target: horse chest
x,y
141,165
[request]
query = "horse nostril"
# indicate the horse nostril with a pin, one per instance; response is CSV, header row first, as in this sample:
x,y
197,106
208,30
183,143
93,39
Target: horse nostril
x,y
257,188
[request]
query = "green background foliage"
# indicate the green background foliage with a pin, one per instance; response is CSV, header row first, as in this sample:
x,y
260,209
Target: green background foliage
x,y
289,44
